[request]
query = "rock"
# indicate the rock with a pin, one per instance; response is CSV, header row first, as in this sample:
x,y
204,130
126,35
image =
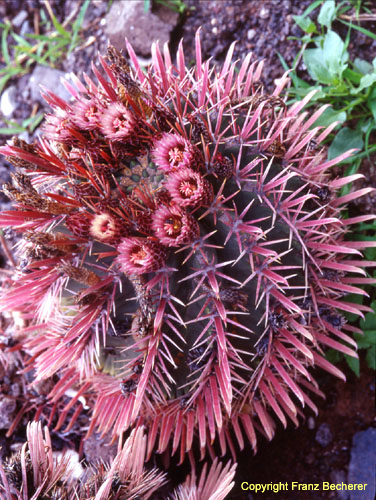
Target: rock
x,y
50,78
19,18
15,390
129,20
8,102
25,28
324,435
311,424
74,470
362,464
338,477
264,13
24,136
7,412
250,34
96,449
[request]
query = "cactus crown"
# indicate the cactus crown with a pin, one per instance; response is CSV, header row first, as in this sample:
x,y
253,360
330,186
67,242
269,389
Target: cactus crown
x,y
185,251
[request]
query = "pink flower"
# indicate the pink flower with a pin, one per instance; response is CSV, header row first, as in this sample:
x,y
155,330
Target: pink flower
x,y
118,123
139,255
174,227
87,114
58,128
172,152
188,188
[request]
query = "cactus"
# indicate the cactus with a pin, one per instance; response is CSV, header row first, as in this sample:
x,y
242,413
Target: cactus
x,y
183,253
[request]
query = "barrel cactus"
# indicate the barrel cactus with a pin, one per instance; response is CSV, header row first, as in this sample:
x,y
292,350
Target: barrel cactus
x,y
182,256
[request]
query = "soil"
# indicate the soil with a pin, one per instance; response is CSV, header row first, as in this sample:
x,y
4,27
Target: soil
x,y
296,455
264,27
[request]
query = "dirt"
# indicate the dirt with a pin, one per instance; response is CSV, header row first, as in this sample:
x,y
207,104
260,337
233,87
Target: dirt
x,y
295,454
263,27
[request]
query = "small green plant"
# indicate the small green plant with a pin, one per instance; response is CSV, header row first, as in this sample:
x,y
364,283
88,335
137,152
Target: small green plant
x,y
348,88
175,5
19,53
27,125
368,340
365,341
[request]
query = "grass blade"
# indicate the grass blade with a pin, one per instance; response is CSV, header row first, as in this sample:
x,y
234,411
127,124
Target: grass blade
x,y
359,28
77,25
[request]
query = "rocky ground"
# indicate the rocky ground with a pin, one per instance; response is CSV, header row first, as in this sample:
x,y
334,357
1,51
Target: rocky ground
x,y
336,445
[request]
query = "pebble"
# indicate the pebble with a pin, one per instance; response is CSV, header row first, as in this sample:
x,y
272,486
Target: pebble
x,y
311,424
264,13
25,28
324,435
74,470
362,464
8,101
19,18
338,477
96,448
15,390
128,20
7,412
250,34
49,78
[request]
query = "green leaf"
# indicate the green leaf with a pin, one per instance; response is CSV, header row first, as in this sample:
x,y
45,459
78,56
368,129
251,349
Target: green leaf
x,y
370,253
329,116
371,102
362,66
345,139
354,298
359,28
305,23
371,358
312,7
302,91
77,25
59,27
363,344
327,13
4,43
352,75
32,122
11,130
365,82
353,364
326,64
21,41
147,6
369,323
333,356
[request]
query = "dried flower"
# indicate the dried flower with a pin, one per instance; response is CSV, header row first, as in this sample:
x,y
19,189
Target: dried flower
x,y
139,255
108,228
